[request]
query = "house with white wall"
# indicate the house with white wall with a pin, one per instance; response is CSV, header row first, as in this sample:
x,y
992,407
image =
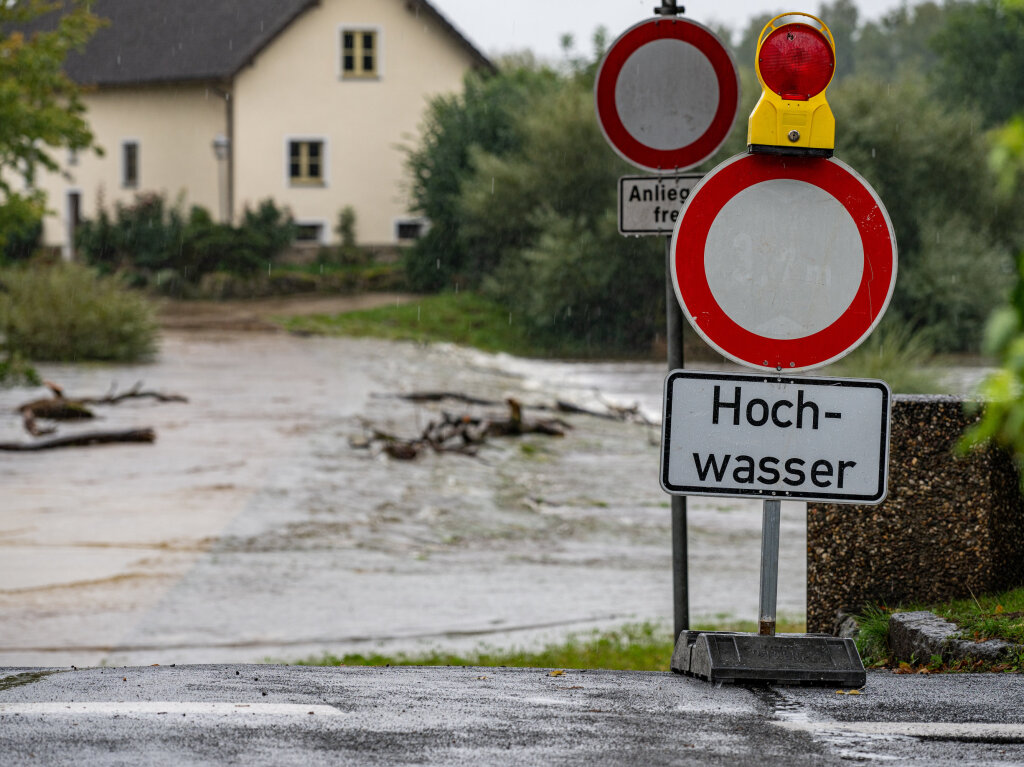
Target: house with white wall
x,y
225,103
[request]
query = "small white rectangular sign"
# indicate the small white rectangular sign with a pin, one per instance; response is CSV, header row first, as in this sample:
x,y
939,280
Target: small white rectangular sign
x,y
815,439
651,204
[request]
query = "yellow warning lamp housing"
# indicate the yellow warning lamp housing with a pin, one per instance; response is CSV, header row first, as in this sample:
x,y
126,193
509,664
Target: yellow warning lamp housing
x,y
795,62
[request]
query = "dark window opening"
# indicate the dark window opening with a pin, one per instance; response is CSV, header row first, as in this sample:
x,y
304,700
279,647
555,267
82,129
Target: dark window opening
x,y
308,232
130,164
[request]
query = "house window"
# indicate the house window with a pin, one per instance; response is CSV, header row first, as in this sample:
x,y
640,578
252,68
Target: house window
x,y
360,53
410,228
308,232
130,164
306,163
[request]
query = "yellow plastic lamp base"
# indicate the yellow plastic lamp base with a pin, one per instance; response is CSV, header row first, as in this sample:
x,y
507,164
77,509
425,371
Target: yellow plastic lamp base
x,y
785,124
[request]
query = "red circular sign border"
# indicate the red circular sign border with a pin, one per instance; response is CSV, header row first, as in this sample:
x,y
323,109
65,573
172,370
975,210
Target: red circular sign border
x,y
621,140
690,282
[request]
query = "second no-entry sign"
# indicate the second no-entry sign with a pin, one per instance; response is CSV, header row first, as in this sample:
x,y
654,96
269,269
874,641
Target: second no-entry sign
x,y
785,263
666,94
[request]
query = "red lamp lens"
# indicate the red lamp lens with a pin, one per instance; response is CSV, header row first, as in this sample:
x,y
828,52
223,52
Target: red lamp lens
x,y
796,62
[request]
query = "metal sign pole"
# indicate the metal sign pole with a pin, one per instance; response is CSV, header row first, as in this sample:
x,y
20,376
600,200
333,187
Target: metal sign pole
x,y
770,523
680,574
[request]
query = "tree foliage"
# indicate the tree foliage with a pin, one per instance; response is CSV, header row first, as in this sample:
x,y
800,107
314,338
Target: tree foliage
x,y
981,58
40,107
483,118
524,186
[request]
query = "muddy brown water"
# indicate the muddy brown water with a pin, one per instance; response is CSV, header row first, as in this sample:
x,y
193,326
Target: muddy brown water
x,y
252,529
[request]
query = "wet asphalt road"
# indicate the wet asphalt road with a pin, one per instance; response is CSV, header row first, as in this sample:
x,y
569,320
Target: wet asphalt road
x,y
282,715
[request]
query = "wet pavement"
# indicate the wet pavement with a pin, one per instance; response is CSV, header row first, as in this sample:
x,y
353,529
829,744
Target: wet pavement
x,y
274,715
252,530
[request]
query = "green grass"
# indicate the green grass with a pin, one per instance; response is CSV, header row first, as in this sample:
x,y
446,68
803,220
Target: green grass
x,y
992,616
633,647
460,318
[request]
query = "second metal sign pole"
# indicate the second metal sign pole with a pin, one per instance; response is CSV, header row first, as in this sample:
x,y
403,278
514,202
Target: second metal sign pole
x,y
680,574
771,519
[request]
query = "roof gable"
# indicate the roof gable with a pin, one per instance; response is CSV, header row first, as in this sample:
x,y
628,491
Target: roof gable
x,y
154,41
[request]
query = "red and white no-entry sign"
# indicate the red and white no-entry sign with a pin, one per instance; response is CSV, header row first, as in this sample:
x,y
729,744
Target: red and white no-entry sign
x,y
783,262
666,94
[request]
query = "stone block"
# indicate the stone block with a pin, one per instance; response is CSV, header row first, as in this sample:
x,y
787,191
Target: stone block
x,y
915,637
950,525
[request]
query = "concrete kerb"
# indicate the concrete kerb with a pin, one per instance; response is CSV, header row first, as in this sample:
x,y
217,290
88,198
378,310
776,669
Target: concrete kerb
x,y
915,637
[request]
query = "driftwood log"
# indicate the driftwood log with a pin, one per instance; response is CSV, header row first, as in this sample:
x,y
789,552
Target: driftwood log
x,y
611,412
83,440
61,407
461,433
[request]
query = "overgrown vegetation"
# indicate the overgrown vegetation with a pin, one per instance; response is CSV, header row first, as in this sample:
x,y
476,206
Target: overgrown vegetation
x,y
894,354
164,248
633,647
995,616
67,312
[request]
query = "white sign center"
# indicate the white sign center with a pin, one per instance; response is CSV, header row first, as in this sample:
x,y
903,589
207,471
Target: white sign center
x,y
658,106
784,259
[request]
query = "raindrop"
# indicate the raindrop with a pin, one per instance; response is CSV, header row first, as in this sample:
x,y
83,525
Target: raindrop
x,y
437,264
492,184
418,308
268,268
872,151
510,318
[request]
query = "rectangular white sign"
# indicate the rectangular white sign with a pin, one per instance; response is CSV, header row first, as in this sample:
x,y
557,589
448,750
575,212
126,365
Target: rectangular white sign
x,y
651,204
764,436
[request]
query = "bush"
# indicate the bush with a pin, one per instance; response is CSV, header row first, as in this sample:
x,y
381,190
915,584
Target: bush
x,y
150,238
67,312
22,242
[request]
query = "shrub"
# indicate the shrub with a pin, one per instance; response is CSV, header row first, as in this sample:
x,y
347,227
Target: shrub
x,y
150,238
22,242
67,312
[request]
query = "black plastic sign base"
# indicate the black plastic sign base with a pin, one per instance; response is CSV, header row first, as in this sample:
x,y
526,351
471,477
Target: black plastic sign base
x,y
804,659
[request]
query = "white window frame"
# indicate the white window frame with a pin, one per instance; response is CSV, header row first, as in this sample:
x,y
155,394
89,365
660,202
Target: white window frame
x,y
138,164
325,161
339,57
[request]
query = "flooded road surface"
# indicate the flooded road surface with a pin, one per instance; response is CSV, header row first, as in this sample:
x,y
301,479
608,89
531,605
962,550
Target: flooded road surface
x,y
252,530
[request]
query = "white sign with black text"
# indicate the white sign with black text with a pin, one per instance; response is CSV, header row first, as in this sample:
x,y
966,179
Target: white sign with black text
x,y
651,204
814,439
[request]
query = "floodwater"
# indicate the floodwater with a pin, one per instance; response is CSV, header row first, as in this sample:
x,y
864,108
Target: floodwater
x,y
252,529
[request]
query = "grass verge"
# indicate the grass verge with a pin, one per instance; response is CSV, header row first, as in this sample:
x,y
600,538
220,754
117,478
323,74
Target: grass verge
x,y
993,616
460,318
633,647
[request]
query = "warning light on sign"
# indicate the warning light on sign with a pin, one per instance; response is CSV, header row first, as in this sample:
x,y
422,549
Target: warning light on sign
x,y
795,63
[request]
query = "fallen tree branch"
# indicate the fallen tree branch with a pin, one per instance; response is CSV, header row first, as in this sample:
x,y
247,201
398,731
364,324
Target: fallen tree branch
x,y
611,412
461,434
83,440
60,407
134,393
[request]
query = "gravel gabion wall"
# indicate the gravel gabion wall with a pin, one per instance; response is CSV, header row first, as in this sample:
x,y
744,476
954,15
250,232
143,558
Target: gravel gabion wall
x,y
950,524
